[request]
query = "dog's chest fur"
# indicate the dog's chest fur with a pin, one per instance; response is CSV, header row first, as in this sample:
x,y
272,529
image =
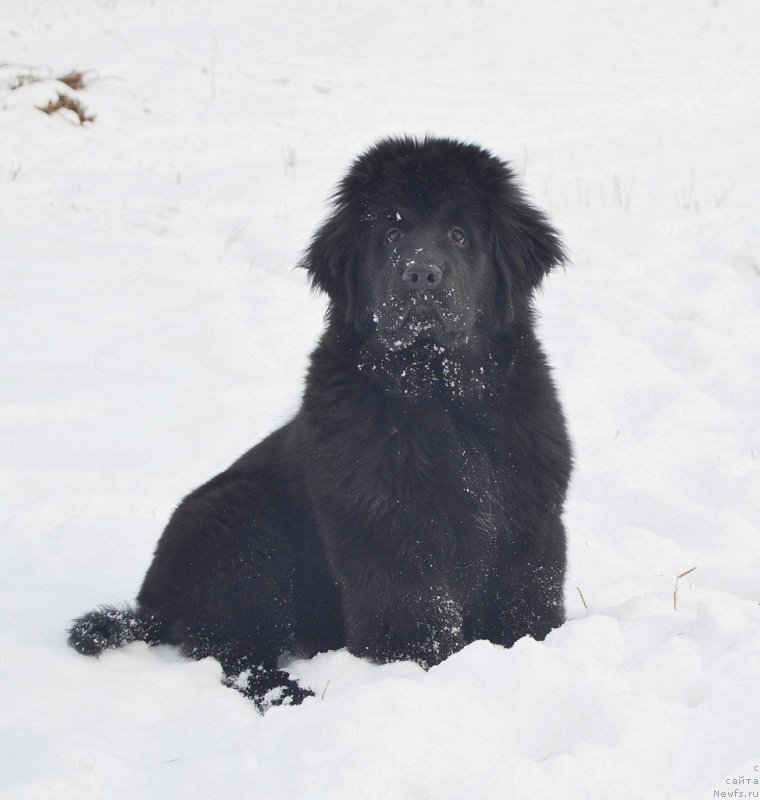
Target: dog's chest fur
x,y
420,479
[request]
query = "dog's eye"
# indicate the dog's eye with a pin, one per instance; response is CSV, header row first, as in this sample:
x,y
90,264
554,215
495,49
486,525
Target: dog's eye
x,y
393,235
458,236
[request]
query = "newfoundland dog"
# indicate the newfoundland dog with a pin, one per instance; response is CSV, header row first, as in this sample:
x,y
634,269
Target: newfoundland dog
x,y
414,503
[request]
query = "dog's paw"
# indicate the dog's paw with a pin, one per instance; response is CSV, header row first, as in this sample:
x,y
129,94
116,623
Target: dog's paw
x,y
269,687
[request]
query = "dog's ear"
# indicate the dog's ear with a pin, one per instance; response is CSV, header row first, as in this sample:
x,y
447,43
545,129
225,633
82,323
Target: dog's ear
x,y
525,248
331,261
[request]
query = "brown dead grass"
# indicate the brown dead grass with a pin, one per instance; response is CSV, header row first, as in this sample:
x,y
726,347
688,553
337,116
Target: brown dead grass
x,y
69,103
75,80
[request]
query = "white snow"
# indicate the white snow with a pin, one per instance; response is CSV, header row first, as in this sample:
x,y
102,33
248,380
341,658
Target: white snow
x,y
153,328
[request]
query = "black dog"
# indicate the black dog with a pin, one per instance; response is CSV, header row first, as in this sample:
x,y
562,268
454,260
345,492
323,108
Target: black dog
x,y
414,503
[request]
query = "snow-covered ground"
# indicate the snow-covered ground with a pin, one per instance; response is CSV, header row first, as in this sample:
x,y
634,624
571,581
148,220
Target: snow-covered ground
x,y
153,328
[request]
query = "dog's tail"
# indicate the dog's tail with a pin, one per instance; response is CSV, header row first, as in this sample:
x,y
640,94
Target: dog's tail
x,y
108,627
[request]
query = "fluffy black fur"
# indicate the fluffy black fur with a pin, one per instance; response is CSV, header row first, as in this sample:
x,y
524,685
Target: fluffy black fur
x,y
414,503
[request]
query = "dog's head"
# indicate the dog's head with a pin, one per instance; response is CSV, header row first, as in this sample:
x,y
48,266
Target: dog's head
x,y
430,240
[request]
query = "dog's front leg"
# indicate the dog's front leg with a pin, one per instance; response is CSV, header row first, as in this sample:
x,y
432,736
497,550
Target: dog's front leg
x,y
399,617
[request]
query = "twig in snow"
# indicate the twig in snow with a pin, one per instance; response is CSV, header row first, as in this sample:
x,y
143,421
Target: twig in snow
x,y
583,599
675,590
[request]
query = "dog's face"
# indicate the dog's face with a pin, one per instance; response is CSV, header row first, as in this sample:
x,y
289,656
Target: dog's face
x,y
430,241
426,272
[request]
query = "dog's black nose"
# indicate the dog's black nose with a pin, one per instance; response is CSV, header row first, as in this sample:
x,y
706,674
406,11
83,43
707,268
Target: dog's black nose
x,y
421,276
